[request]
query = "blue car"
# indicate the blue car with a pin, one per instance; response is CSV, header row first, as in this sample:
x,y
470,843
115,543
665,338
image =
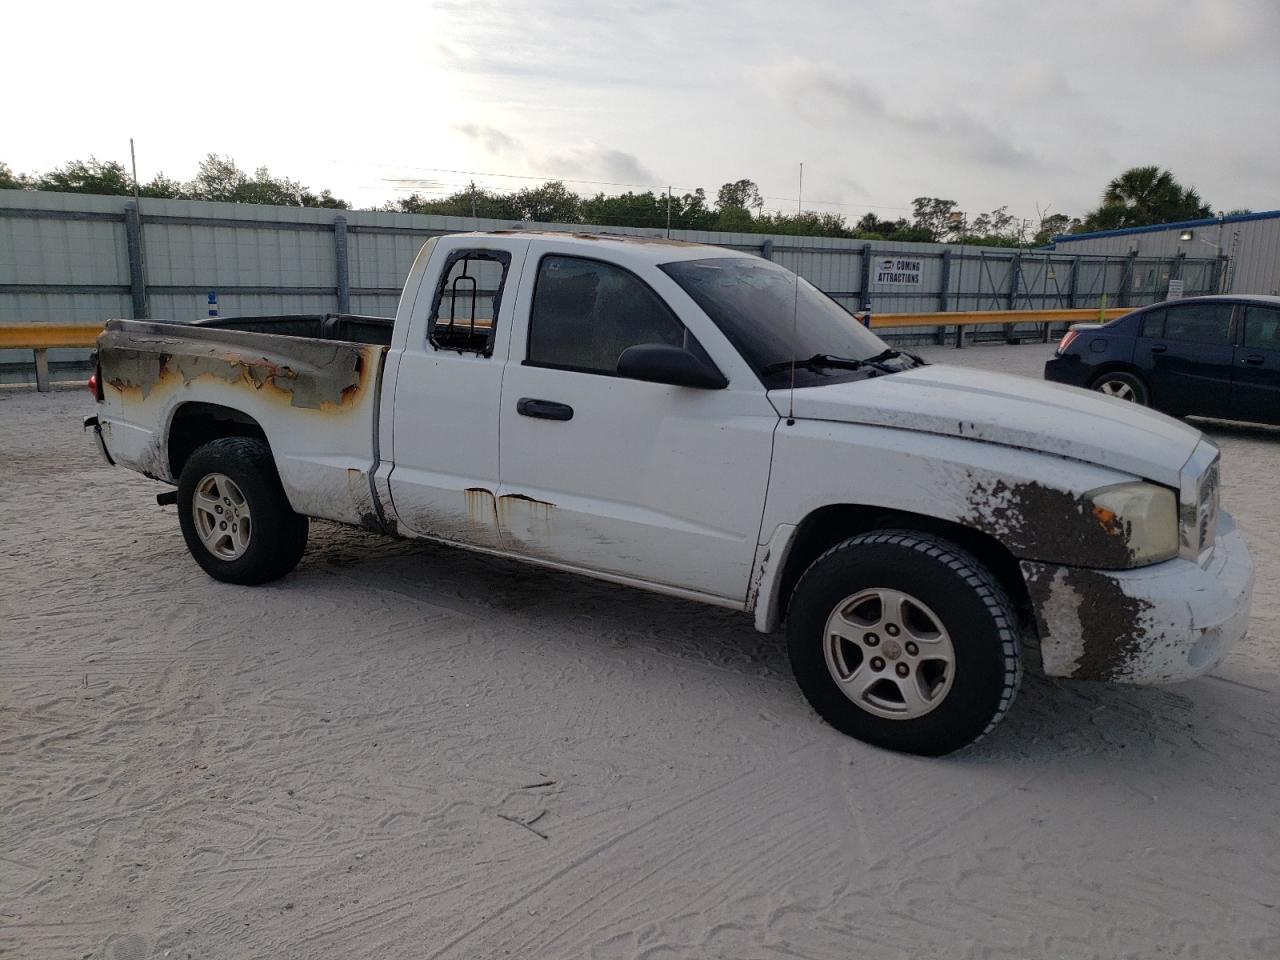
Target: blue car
x,y
1202,356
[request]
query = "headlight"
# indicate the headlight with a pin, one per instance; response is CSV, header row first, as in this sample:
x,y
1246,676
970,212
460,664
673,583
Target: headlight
x,y
1143,516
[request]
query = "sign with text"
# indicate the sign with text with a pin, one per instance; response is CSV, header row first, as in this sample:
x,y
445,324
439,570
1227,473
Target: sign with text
x,y
902,271
1175,290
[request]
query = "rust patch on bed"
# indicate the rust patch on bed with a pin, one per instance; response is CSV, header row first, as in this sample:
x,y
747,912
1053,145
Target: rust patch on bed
x,y
139,357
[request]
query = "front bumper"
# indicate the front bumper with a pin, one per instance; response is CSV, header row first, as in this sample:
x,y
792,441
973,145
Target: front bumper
x,y
1068,369
1159,624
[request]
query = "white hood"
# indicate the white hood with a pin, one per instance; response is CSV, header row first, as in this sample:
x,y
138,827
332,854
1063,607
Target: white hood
x,y
1011,411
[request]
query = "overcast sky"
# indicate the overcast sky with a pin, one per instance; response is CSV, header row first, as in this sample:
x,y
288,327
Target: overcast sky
x,y
986,102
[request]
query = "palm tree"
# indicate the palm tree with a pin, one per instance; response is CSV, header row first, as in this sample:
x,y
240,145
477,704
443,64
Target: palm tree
x,y
1146,195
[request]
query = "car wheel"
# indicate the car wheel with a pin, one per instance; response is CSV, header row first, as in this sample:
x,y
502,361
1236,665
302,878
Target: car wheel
x,y
234,513
904,641
1123,386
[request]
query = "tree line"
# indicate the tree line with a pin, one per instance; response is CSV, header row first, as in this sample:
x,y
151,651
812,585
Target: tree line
x,y
218,178
1138,197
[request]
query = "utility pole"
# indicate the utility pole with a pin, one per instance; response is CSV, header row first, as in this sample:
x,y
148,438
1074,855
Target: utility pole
x,y
668,211
133,160
142,246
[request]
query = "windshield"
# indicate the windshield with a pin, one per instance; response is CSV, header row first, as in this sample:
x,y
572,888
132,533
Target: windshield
x,y
751,300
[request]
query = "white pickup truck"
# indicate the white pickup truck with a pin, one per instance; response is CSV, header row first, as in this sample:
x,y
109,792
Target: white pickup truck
x,y
701,423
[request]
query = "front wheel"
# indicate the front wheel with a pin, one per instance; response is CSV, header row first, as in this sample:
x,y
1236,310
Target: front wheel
x,y
1123,386
904,641
234,513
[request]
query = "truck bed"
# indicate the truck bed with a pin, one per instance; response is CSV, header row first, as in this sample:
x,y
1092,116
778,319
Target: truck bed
x,y
311,392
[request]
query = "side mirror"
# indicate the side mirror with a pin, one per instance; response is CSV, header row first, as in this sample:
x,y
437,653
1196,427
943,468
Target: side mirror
x,y
663,363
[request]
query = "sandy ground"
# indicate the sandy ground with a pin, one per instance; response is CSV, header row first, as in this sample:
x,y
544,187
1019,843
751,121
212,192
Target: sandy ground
x,y
342,764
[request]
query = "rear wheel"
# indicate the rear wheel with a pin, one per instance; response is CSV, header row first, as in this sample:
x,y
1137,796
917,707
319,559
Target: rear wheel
x,y
234,513
1123,386
905,641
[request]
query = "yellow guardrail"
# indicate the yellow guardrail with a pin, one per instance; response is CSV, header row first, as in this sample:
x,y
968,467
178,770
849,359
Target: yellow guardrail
x,y
45,336
970,318
42,337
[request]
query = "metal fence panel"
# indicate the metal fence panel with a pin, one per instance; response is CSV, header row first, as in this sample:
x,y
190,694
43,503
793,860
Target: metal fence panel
x,y
75,258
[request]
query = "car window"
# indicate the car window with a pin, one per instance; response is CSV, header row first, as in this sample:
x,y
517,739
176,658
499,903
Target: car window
x,y
1262,328
585,313
1153,323
1199,322
467,299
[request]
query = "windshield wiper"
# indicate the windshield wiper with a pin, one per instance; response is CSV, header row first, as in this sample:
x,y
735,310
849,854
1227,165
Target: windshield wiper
x,y
820,361
825,361
891,354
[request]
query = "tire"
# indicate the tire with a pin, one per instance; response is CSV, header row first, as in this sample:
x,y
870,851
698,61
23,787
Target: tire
x,y
1123,386
254,536
884,589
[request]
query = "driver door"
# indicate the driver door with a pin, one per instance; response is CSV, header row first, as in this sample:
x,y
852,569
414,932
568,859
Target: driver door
x,y
639,480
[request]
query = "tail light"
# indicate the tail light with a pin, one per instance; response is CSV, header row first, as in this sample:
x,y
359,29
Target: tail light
x,y
1069,336
94,383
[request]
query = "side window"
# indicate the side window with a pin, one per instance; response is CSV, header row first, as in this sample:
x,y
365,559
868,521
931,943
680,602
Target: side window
x,y
1153,323
1262,328
465,309
1199,323
585,313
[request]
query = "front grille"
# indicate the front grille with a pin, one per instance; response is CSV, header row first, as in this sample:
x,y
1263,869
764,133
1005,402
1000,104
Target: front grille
x,y
1207,506
1198,496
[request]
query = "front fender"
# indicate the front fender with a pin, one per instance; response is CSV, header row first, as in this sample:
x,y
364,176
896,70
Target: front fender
x,y
1031,503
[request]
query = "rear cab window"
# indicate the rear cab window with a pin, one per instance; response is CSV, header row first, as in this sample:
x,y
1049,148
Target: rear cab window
x,y
467,300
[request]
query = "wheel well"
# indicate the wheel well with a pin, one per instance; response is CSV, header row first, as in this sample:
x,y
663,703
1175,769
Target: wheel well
x,y
828,526
195,424
1116,366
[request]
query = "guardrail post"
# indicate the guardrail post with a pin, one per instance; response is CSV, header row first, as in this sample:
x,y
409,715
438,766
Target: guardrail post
x,y
340,262
944,298
42,370
137,274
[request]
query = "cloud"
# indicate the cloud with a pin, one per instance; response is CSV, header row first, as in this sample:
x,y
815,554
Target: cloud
x,y
821,93
493,140
595,162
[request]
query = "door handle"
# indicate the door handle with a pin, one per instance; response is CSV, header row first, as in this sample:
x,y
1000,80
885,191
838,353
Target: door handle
x,y
543,409
1159,348
1254,359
